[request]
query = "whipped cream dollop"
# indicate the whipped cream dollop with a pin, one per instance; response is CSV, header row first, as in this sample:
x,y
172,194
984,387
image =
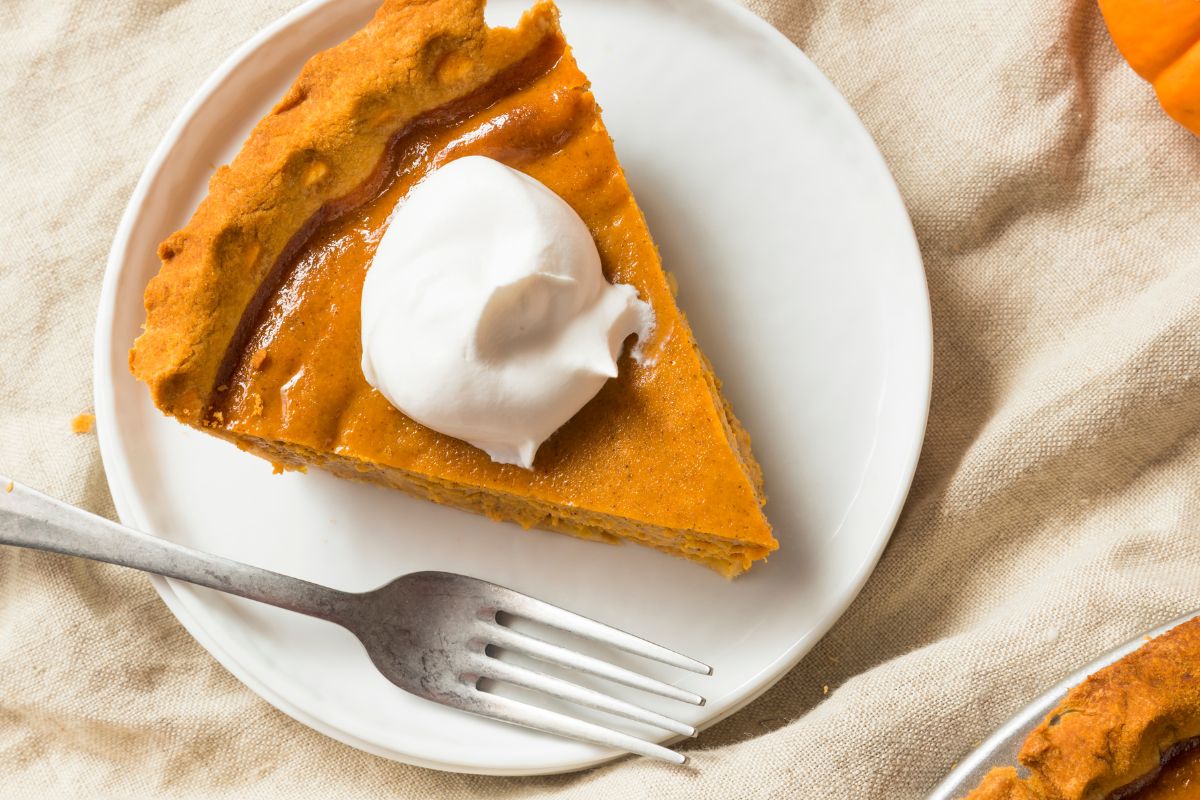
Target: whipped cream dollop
x,y
485,313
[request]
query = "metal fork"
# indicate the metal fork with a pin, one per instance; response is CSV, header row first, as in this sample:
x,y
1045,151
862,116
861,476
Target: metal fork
x,y
430,633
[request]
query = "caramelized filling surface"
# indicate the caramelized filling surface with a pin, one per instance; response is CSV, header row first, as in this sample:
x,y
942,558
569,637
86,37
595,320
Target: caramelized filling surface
x,y
295,377
1178,780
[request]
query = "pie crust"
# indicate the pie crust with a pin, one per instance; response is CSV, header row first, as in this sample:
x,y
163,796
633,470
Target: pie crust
x,y
1128,731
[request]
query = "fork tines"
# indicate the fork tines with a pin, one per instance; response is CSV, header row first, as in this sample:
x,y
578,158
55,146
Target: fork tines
x,y
519,713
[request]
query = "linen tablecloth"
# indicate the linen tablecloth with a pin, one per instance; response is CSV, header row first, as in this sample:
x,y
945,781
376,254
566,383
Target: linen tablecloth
x,y
1056,508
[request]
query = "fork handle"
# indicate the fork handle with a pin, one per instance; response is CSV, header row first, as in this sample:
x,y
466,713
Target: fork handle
x,y
31,519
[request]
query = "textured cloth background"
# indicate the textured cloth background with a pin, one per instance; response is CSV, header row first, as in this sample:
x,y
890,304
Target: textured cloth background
x,y
1056,509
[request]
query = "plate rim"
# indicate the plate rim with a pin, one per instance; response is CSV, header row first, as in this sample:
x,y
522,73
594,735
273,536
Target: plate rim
x,y
754,686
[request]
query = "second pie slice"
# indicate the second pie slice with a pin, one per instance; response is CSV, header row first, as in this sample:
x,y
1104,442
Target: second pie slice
x,y
253,325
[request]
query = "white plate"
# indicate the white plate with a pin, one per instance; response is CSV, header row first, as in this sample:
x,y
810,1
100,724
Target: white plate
x,y
799,270
1001,748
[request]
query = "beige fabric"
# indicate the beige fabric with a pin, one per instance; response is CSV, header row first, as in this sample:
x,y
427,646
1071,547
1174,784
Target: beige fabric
x,y
1056,510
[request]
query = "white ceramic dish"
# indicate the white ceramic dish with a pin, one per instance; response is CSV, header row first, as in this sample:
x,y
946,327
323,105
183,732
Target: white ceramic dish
x,y
800,273
1001,747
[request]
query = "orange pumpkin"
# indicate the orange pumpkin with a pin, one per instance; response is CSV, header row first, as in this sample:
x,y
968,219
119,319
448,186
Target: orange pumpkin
x,y
1161,41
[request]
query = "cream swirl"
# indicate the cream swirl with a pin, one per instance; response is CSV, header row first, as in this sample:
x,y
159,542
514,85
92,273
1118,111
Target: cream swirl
x,y
485,313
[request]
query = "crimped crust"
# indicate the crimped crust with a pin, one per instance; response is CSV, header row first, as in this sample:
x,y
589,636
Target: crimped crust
x,y
1116,726
322,143
1112,733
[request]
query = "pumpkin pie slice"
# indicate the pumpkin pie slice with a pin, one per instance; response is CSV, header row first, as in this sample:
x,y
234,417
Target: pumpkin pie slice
x,y
1129,732
252,326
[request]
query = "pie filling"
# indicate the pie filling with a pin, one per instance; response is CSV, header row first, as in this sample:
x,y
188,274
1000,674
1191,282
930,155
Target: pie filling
x,y
723,556
1178,779
291,387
